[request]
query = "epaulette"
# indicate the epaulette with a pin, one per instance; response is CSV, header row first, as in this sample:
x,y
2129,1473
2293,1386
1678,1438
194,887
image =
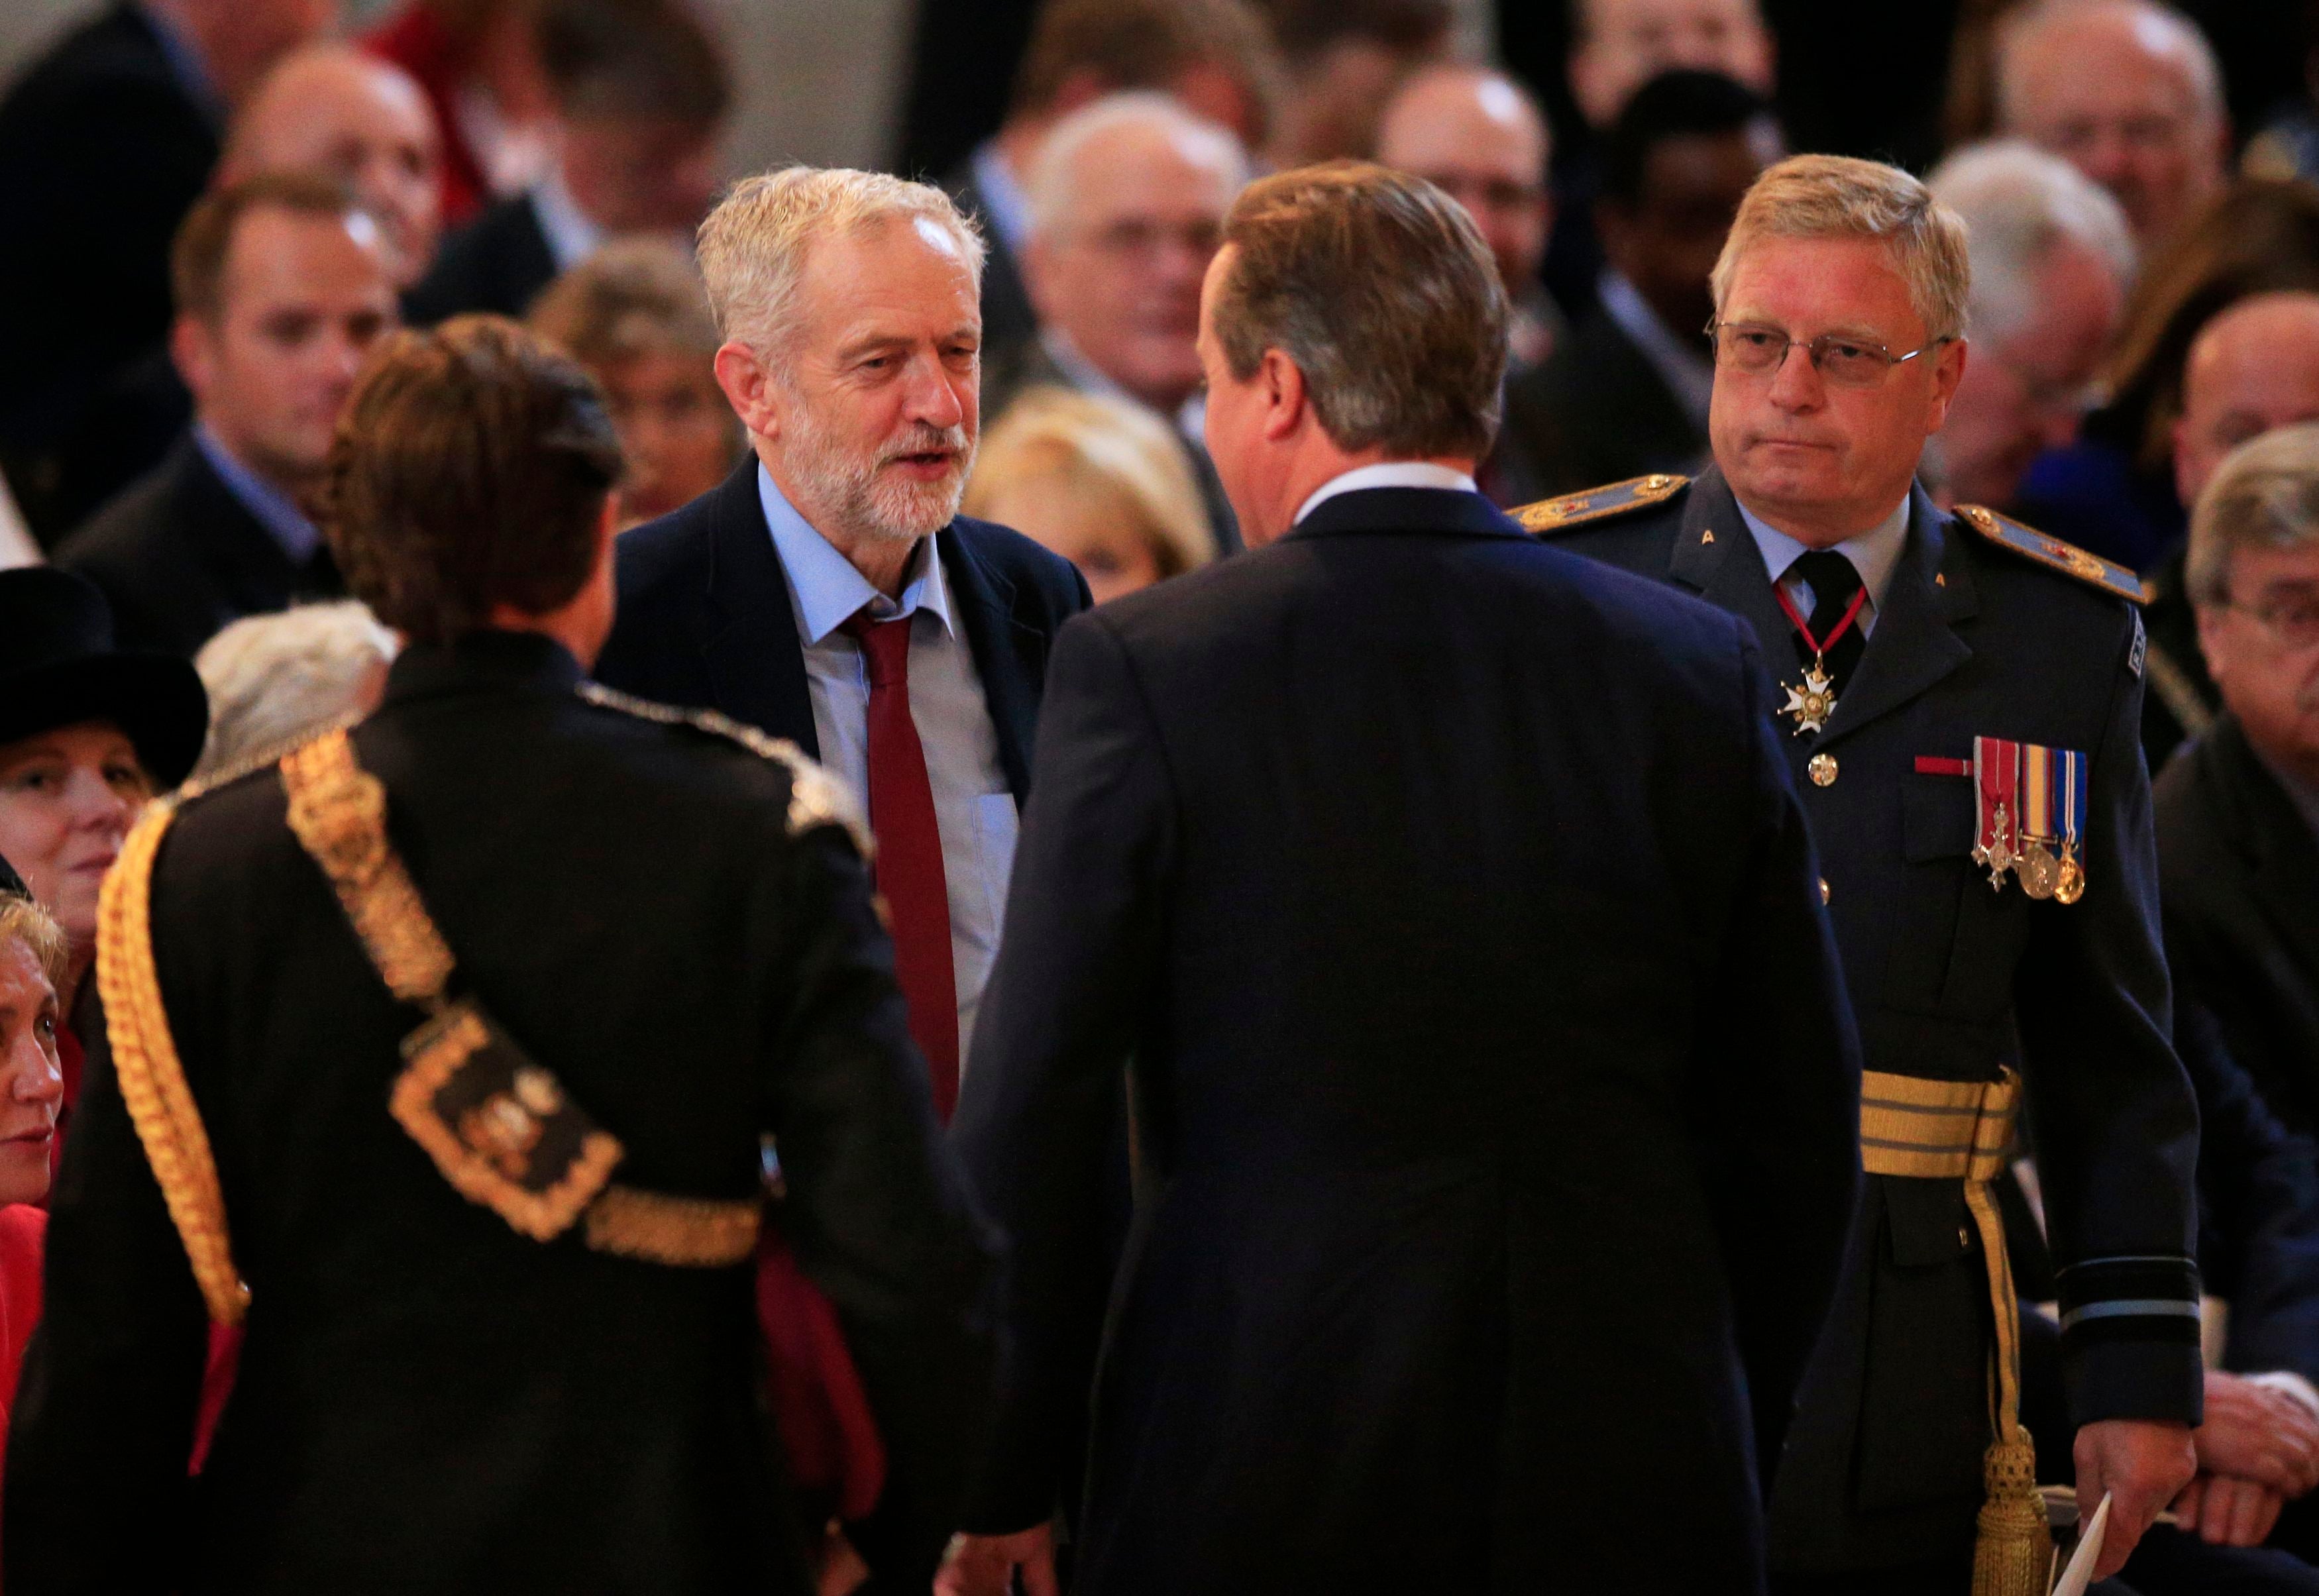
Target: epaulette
x,y
1550,516
2051,551
817,797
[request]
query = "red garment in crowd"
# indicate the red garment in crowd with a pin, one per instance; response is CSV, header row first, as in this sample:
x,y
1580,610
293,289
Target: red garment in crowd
x,y
23,1228
415,39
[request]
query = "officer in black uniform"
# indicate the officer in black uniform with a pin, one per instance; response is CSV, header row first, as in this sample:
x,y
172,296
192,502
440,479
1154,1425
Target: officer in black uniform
x,y
441,1056
1961,698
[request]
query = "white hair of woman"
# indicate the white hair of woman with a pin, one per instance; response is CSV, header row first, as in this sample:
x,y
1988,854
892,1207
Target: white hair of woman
x,y
274,679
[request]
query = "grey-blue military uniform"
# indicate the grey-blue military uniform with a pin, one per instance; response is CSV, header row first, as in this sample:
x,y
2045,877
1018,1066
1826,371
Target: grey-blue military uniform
x,y
1990,629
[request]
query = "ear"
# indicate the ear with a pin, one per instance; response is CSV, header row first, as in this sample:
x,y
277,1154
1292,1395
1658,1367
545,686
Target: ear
x,y
191,352
2182,461
1948,371
2216,636
1286,402
746,381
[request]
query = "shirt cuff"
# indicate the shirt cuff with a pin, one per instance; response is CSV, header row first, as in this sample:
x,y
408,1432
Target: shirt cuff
x,y
2291,1382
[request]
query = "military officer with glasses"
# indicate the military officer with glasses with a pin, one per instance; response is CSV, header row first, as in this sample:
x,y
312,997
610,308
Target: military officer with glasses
x,y
1960,696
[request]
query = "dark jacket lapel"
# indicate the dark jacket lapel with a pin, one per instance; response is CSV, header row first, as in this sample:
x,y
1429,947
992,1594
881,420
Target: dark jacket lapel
x,y
1915,644
1010,653
1716,557
251,569
750,647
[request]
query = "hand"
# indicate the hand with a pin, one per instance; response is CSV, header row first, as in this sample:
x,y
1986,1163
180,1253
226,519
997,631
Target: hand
x,y
2140,1464
2228,1512
986,1564
2259,1434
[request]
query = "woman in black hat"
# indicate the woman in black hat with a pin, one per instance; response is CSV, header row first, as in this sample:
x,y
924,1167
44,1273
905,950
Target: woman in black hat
x,y
87,734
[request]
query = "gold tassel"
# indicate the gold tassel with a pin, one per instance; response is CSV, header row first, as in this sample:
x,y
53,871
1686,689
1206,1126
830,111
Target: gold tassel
x,y
2013,1554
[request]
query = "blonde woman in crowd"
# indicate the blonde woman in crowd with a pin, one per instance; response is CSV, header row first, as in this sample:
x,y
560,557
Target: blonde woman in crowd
x,y
274,679
1099,480
635,315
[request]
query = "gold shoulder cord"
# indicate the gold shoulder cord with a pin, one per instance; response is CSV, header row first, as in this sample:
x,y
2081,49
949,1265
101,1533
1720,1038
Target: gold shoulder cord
x,y
339,811
152,1078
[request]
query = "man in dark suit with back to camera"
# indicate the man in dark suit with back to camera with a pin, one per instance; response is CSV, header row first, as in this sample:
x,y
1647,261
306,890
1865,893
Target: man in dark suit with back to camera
x,y
441,1057
829,593
1961,703
1495,1089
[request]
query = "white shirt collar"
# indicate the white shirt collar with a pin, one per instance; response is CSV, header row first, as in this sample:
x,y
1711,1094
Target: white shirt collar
x,y
1874,554
1388,474
1682,364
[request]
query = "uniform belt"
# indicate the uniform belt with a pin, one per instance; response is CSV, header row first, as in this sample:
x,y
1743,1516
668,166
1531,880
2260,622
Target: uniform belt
x,y
1940,1130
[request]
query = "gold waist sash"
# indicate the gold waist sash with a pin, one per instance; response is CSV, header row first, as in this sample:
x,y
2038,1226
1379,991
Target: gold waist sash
x,y
1941,1130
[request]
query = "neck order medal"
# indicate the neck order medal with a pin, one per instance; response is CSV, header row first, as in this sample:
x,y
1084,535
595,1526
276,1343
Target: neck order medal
x,y
1811,702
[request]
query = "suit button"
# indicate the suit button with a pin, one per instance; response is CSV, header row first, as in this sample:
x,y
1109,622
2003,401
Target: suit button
x,y
1823,889
1821,770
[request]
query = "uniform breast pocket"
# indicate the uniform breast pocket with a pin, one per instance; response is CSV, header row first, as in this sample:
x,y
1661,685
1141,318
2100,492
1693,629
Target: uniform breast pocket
x,y
1956,941
996,825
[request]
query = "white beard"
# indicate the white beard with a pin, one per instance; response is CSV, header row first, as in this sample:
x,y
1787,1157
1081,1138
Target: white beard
x,y
858,494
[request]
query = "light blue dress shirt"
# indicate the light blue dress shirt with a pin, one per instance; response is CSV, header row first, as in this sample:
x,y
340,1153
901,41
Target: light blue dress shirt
x,y
1874,554
973,809
274,510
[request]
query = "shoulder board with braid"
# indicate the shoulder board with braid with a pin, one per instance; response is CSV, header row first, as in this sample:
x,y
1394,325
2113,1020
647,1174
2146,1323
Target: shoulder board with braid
x,y
2052,553
816,796
1550,516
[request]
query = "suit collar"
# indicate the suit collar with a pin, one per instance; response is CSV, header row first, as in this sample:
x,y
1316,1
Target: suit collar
x,y
756,662
1406,510
249,563
489,660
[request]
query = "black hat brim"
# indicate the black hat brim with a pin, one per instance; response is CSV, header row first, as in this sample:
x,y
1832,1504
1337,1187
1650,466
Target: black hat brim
x,y
156,699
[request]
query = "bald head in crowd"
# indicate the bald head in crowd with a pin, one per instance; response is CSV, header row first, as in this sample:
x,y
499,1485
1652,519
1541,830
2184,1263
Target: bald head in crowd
x,y
1617,46
336,111
1128,202
1479,137
2254,369
2129,92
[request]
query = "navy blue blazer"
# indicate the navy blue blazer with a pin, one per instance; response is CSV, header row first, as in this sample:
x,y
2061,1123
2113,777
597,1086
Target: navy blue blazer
x,y
705,619
1495,1085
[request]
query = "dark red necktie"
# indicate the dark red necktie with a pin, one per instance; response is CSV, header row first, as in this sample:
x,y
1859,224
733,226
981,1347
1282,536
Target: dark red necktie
x,y
909,865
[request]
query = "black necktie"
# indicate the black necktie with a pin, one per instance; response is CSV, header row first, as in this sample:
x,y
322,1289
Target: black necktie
x,y
1834,584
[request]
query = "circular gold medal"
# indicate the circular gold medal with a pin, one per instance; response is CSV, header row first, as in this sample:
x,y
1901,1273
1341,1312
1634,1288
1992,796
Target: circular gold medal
x,y
2070,881
2040,874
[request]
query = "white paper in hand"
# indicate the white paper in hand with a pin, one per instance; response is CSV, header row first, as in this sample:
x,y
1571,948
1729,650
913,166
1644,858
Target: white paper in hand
x,y
2080,1573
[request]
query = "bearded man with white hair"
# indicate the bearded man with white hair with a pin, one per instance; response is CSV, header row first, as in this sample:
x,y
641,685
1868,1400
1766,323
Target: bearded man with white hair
x,y
829,593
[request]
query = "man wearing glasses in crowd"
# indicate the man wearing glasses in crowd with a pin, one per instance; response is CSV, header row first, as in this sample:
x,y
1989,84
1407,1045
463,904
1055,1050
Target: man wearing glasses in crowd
x,y
1960,700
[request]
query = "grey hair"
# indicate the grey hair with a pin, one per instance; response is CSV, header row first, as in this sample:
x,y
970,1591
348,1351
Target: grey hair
x,y
2265,494
752,246
1054,186
1836,196
273,679
2161,30
2018,204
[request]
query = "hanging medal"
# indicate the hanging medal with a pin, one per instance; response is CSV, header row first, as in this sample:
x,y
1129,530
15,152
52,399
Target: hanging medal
x,y
2030,809
1812,701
